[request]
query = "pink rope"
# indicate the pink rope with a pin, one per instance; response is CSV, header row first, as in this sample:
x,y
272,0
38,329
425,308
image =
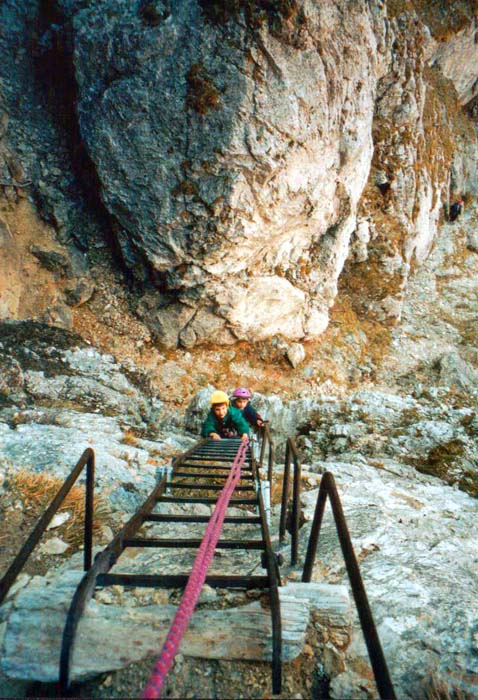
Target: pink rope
x,y
196,579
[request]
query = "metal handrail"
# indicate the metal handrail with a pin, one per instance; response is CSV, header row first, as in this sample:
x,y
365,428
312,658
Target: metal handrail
x,y
267,441
87,460
274,580
377,659
291,454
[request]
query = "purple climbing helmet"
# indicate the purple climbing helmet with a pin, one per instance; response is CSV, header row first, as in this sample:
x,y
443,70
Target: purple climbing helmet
x,y
242,393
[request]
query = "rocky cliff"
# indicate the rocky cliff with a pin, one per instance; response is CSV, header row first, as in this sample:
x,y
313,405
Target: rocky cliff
x,y
235,155
200,193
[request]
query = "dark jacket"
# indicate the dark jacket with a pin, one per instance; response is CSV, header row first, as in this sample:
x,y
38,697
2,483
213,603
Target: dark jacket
x,y
231,425
250,414
455,211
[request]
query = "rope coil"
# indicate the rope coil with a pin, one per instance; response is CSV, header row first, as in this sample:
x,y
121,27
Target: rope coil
x,y
196,579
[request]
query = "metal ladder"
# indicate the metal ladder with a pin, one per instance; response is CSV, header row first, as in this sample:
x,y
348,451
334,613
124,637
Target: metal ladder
x,y
193,473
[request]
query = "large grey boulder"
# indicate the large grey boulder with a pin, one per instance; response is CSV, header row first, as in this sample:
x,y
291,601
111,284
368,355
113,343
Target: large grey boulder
x,y
232,154
256,128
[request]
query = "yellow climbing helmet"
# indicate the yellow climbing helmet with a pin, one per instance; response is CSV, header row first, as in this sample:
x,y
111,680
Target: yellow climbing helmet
x,y
219,397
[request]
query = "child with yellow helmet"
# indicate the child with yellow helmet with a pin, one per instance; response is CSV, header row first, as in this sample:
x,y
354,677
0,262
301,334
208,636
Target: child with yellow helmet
x,y
224,421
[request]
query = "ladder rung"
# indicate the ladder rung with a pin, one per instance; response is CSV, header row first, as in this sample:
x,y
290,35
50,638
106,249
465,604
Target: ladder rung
x,y
170,518
206,499
188,465
213,458
193,543
207,487
208,475
180,580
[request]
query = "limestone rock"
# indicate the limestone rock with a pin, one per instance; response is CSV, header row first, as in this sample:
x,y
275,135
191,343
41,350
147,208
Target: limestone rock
x,y
58,520
207,595
472,241
54,260
296,354
267,139
35,155
455,372
421,433
457,57
59,397
407,531
132,632
79,292
238,241
58,315
55,545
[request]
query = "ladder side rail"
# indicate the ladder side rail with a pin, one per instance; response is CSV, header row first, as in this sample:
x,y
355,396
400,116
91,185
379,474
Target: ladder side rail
x,y
374,647
263,431
89,512
291,456
87,460
273,576
266,445
285,493
295,503
184,455
270,461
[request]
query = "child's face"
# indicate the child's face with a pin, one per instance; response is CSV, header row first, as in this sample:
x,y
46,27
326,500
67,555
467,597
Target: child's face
x,y
241,403
219,409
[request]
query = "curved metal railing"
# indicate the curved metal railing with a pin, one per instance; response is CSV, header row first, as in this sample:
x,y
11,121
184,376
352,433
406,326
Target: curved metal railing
x,y
102,564
377,658
266,442
291,455
87,460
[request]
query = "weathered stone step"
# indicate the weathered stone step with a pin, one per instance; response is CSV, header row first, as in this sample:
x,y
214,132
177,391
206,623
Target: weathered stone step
x,y
35,616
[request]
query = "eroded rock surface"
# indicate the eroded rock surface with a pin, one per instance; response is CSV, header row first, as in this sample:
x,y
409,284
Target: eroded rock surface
x,y
258,133
58,396
239,155
134,629
414,541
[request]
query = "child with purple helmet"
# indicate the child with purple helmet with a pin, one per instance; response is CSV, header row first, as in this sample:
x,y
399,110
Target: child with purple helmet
x,y
241,400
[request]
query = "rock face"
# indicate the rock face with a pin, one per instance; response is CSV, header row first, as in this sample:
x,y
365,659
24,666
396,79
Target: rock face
x,y
239,154
258,133
457,59
41,155
427,433
257,144
58,397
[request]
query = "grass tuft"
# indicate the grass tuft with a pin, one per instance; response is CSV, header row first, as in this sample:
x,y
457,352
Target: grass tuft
x,y
442,689
36,491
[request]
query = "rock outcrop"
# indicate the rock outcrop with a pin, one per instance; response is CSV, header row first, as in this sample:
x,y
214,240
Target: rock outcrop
x,y
240,154
260,131
414,541
434,436
58,396
129,629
